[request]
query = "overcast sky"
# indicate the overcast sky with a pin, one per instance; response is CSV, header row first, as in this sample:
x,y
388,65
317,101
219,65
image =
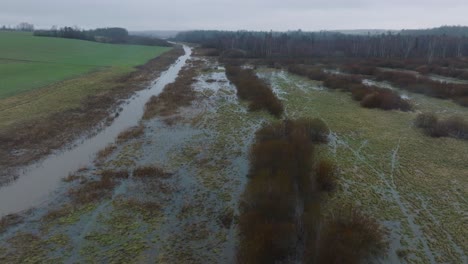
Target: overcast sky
x,y
238,14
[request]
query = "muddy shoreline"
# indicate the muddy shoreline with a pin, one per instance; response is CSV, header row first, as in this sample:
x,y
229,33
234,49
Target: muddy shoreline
x,y
26,143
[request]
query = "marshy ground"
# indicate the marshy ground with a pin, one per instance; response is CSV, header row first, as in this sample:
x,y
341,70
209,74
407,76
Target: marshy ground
x,y
168,190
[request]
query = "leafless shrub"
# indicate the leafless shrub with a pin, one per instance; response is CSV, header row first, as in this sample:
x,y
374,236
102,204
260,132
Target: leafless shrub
x,y
326,176
454,126
251,88
349,237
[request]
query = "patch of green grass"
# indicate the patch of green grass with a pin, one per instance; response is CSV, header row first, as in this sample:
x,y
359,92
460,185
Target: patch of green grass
x,y
28,62
55,98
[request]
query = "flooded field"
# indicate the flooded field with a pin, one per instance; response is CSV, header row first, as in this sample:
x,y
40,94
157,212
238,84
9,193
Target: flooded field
x,y
166,189
38,180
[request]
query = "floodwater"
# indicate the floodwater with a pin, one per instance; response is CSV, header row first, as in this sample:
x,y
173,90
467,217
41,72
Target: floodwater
x,y
37,181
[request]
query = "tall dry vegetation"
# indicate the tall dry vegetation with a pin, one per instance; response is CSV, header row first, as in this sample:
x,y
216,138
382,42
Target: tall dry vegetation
x,y
433,126
281,205
348,237
404,80
368,96
455,68
95,190
424,85
177,94
257,92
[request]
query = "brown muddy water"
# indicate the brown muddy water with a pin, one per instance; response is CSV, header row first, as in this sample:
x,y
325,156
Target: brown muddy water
x,y
37,181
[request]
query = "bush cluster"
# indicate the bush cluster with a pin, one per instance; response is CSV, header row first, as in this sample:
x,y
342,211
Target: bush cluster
x,y
433,126
424,85
348,236
369,96
281,177
281,219
257,92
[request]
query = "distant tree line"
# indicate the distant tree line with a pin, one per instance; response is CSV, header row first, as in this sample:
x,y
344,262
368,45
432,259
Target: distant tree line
x,y
458,31
113,35
298,44
23,26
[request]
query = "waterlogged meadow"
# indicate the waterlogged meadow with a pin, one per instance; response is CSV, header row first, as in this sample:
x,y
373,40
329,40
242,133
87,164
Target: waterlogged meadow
x,y
213,174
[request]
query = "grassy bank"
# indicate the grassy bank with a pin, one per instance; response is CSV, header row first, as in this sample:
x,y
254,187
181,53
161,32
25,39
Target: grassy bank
x,y
28,62
45,119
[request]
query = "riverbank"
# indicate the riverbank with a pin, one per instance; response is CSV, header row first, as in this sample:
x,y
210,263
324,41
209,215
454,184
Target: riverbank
x,y
167,192
34,124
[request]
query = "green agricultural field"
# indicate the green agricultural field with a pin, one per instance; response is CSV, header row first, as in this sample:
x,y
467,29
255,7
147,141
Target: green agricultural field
x,y
28,62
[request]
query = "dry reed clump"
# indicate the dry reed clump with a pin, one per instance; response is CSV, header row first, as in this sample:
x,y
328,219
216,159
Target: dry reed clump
x,y
280,208
424,85
443,71
151,172
385,99
311,73
257,92
281,161
93,191
105,152
9,221
349,237
130,133
175,95
369,96
342,82
433,126
71,178
112,174
326,176
58,213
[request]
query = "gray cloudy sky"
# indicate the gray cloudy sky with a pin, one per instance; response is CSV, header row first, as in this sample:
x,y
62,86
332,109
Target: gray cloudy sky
x,y
239,14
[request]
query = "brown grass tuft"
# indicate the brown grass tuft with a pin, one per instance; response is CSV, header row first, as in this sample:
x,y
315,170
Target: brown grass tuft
x,y
9,221
175,95
111,174
385,99
58,213
93,191
151,172
454,126
349,237
326,176
105,153
130,133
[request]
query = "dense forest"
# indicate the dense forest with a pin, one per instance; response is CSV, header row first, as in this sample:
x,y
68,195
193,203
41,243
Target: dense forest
x,y
458,31
113,35
403,45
